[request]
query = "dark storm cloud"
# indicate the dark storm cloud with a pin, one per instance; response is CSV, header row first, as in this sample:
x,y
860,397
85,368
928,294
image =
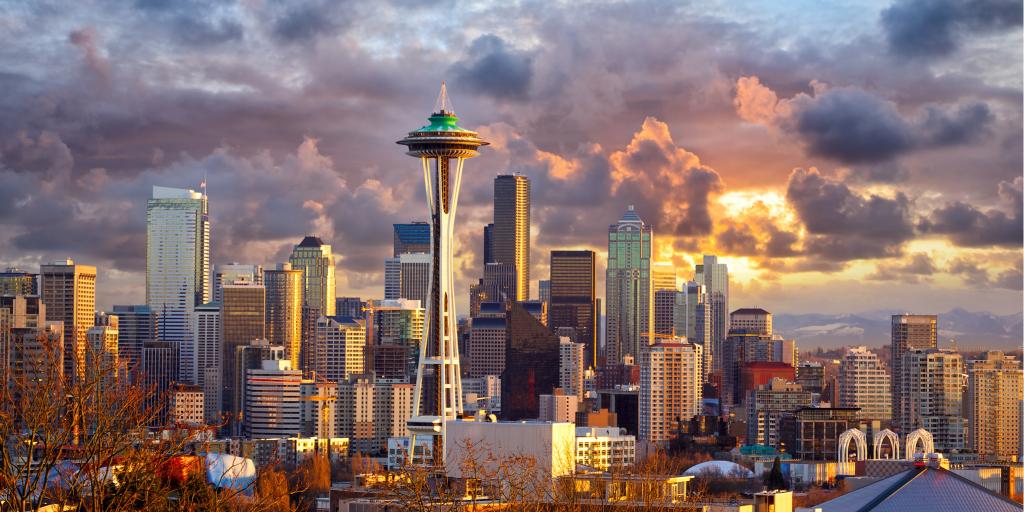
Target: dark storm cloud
x,y
934,28
968,226
853,126
738,240
492,67
843,224
885,172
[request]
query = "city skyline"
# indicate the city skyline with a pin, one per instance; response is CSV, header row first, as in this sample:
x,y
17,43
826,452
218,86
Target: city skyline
x,y
919,213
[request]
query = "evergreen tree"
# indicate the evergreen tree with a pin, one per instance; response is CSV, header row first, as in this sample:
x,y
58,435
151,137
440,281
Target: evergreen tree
x,y
774,480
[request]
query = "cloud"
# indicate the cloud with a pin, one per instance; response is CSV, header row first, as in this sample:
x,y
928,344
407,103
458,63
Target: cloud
x,y
493,67
86,41
305,22
975,275
845,225
852,125
919,267
968,226
936,28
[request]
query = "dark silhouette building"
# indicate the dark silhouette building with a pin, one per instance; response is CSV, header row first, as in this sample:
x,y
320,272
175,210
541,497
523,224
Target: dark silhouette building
x,y
531,365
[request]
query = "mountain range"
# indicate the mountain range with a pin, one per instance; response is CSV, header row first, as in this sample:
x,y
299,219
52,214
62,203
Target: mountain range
x,y
971,330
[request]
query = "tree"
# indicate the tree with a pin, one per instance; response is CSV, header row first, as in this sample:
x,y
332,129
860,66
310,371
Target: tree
x,y
774,480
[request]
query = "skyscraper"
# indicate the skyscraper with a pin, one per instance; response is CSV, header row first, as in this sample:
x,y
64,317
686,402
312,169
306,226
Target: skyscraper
x,y
69,292
489,243
340,348
177,263
663,276
407,276
532,357
487,340
670,388
932,385
628,287
511,235
136,326
573,302
715,278
994,414
209,353
437,146
864,383
234,273
411,237
284,310
243,320
316,261
908,332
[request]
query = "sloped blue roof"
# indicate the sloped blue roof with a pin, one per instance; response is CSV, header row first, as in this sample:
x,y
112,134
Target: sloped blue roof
x,y
921,489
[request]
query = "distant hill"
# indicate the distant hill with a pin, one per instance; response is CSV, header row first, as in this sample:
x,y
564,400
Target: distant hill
x,y
971,330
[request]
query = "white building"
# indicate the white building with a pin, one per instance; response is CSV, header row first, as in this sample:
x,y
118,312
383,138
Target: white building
x,y
407,276
273,397
551,446
558,407
482,393
206,327
186,406
340,348
177,267
670,387
571,367
865,383
370,412
932,384
605,448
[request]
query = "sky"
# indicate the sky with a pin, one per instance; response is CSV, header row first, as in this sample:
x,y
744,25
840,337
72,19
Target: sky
x,y
839,156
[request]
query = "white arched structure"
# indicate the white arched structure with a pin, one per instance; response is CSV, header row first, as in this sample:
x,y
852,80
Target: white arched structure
x,y
922,435
894,441
857,437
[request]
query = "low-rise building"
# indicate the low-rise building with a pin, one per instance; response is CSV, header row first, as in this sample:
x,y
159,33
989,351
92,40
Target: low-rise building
x,y
605,448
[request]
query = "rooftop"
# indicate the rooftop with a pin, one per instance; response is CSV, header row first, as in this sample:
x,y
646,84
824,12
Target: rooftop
x,y
921,489
311,241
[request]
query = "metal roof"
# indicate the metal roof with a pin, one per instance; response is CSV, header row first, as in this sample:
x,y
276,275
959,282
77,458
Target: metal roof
x,y
921,489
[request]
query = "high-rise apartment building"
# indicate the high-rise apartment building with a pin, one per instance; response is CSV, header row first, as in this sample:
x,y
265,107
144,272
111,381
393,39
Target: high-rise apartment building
x,y
932,387
994,406
370,412
187,406
908,332
177,263
14,281
407,276
209,353
768,405
628,287
101,362
316,261
411,237
571,367
715,278
242,320
511,235
284,310
136,326
273,400
671,383
69,292
865,383
340,348
572,307
235,273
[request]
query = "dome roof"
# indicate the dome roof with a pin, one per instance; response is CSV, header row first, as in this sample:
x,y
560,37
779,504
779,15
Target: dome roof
x,y
722,467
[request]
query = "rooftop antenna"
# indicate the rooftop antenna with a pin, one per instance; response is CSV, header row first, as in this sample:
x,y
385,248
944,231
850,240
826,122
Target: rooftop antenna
x,y
443,105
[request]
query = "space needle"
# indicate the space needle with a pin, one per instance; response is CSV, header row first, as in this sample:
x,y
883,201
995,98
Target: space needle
x,y
442,147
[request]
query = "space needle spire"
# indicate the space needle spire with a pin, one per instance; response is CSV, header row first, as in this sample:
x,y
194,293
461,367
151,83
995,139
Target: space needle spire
x,y
442,147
